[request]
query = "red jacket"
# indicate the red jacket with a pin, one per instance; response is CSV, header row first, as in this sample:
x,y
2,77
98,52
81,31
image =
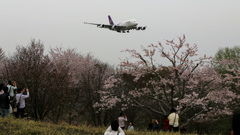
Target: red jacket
x,y
166,124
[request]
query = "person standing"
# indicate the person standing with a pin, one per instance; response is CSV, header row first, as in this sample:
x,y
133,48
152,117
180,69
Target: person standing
x,y
4,102
12,86
121,120
166,123
150,125
20,98
173,120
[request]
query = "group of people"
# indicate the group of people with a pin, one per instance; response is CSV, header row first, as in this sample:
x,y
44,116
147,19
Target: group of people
x,y
170,123
117,126
154,125
12,99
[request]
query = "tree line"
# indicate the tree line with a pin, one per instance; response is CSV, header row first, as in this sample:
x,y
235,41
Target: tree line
x,y
66,85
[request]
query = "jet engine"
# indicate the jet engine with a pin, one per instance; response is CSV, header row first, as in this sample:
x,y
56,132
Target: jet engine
x,y
138,28
114,27
143,28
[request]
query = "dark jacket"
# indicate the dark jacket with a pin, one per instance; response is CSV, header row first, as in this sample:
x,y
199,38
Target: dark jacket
x,y
4,101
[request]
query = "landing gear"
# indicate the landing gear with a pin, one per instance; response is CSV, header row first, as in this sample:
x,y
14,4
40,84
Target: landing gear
x,y
125,31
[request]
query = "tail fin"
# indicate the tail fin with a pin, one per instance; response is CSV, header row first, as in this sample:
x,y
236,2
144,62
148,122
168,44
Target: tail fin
x,y
110,20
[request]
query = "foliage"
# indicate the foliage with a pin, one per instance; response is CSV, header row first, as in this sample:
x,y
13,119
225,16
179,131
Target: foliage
x,y
225,54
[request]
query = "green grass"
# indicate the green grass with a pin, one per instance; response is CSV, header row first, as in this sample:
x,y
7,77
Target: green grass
x,y
12,126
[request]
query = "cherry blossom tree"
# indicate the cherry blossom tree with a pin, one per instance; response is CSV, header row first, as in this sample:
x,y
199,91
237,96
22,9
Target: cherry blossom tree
x,y
194,88
47,82
62,84
232,75
87,76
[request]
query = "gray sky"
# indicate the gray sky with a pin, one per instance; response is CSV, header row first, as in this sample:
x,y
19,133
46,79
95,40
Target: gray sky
x,y
210,24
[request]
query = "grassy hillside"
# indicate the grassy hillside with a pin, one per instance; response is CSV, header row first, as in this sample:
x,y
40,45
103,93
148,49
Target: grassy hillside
x,y
11,126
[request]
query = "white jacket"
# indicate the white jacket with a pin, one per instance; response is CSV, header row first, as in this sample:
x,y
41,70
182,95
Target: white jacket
x,y
173,119
109,131
21,98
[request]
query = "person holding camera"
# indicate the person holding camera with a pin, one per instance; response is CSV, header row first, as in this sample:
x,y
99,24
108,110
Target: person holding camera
x,y
156,125
20,101
121,120
12,86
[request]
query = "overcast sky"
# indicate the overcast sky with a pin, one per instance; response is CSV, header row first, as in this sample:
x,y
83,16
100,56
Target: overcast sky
x,y
211,24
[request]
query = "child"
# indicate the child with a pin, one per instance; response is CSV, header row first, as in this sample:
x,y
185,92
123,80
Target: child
x,y
130,127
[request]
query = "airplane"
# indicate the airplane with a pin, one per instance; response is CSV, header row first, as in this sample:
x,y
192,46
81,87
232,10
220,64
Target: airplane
x,y
122,27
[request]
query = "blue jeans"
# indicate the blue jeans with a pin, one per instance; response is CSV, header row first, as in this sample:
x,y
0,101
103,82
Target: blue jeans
x,y
4,112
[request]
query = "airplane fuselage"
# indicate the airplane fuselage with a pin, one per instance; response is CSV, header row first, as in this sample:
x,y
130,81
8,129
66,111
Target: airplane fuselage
x,y
126,25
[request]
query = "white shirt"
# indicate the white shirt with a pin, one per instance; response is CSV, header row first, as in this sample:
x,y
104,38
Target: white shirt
x,y
121,121
22,100
173,119
109,131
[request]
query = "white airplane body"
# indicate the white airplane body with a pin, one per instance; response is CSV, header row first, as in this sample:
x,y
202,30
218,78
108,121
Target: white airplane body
x,y
120,27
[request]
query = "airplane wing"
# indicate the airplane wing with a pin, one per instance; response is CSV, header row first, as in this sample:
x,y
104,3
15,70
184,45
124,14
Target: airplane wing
x,y
100,25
